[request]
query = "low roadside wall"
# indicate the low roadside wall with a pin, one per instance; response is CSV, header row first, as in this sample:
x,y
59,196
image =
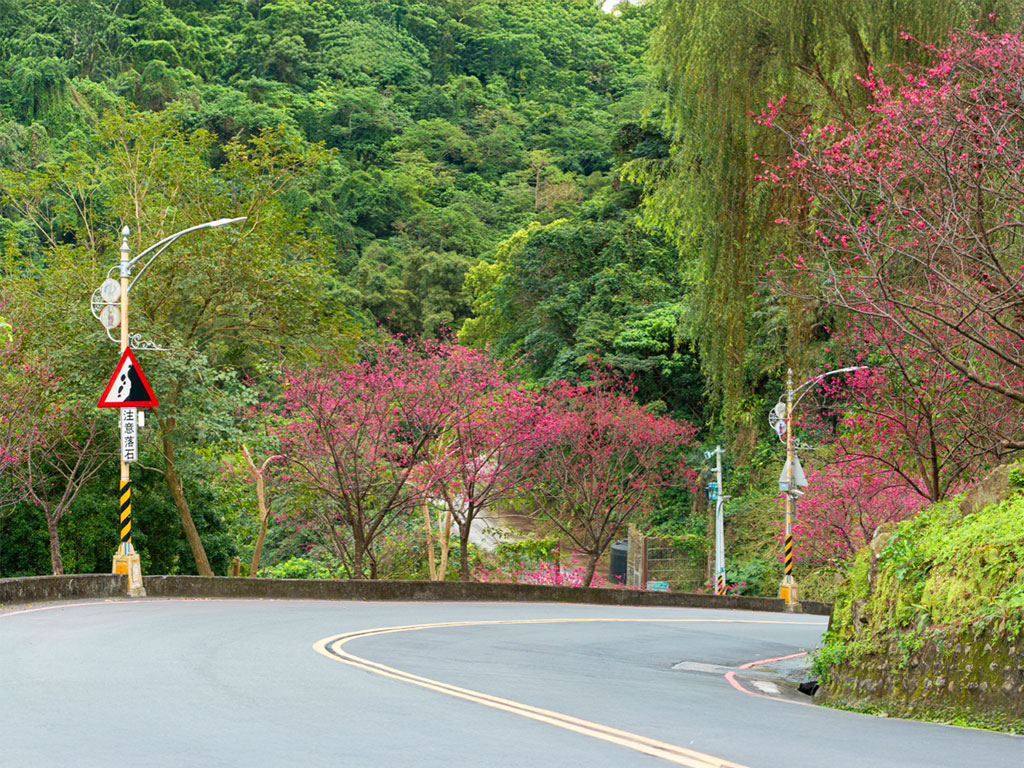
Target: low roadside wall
x,y
45,589
54,588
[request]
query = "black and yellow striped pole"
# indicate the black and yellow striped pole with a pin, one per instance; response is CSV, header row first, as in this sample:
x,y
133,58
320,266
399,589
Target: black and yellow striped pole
x,y
126,512
126,559
787,590
789,555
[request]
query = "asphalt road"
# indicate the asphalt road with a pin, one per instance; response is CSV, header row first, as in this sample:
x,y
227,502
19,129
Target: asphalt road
x,y
240,683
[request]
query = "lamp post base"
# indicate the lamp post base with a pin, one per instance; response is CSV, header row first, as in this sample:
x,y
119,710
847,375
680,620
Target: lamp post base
x,y
126,561
788,591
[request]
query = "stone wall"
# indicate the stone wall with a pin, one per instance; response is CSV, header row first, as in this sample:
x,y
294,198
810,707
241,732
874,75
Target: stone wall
x,y
929,623
943,672
42,589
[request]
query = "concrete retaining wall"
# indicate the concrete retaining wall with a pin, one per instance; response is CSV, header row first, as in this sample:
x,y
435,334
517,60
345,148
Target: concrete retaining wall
x,y
52,588
977,669
43,589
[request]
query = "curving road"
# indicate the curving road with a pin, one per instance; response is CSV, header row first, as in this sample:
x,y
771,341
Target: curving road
x,y
275,683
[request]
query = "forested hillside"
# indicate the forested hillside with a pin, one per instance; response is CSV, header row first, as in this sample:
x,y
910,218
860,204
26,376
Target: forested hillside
x,y
451,125
618,210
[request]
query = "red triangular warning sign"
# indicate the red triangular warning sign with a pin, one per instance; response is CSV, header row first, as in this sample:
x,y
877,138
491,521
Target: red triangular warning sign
x,y
128,387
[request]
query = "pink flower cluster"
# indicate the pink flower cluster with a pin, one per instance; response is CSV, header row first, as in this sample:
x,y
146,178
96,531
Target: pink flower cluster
x,y
548,574
374,439
912,219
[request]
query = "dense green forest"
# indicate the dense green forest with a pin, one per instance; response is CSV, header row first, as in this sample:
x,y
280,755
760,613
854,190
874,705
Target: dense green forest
x,y
567,187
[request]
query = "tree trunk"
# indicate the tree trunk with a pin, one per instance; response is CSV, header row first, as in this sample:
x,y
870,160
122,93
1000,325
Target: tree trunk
x,y
261,504
358,550
464,550
446,542
430,542
178,494
55,561
591,568
259,547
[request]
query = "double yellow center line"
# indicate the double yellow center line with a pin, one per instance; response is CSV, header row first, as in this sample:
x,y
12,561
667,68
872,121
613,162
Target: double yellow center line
x,y
332,648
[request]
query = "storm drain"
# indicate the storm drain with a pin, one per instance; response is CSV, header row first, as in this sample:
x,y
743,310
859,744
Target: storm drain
x,y
700,666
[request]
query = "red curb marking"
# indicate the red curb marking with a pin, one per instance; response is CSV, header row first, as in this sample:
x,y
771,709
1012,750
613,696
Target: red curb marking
x,y
731,677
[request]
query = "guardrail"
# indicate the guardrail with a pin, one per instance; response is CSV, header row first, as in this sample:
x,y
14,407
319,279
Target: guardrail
x,y
38,589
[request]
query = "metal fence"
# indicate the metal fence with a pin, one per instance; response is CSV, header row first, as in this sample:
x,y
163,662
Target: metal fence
x,y
653,560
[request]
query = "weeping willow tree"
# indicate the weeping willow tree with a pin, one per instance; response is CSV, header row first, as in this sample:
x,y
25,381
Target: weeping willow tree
x,y
716,63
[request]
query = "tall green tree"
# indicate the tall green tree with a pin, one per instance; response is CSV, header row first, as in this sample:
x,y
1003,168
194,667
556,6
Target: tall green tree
x,y
716,63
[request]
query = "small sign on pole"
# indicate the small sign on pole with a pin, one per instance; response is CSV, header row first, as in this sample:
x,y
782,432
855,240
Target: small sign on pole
x,y
110,316
110,290
129,435
799,478
777,420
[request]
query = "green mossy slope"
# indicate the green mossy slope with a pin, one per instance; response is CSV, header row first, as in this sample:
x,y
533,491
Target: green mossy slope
x,y
929,623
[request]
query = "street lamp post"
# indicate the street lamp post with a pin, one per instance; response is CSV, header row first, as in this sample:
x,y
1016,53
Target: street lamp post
x,y
126,559
719,526
716,493
781,418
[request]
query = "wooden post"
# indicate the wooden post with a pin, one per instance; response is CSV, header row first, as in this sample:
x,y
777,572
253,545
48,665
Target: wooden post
x,y
643,562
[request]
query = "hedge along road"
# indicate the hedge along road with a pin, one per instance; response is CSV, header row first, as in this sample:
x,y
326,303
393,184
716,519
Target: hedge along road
x,y
241,682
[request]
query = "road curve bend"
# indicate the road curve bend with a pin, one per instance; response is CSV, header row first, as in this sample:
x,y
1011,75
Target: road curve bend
x,y
496,685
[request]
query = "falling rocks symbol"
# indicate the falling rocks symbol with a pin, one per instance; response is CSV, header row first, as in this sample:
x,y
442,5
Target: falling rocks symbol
x,y
128,386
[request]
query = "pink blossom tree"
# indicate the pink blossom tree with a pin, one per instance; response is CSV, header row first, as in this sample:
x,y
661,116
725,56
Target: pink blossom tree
x,y
843,505
914,220
355,441
603,463
49,449
483,454
909,416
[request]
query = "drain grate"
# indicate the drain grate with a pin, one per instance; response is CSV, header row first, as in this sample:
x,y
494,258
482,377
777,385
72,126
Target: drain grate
x,y
700,666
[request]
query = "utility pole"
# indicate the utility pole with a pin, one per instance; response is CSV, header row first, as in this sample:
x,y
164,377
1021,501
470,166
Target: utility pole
x,y
716,493
126,559
719,525
787,590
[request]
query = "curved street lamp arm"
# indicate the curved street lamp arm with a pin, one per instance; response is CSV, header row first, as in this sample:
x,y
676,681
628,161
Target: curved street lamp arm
x,y
807,386
161,245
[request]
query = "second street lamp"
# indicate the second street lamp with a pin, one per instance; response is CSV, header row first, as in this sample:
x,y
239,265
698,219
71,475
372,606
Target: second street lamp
x,y
792,478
